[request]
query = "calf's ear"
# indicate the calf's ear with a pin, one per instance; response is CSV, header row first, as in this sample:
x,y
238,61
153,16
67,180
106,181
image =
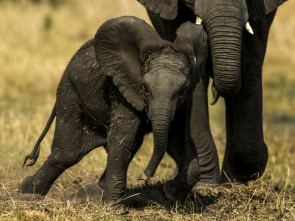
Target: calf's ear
x,y
119,44
167,9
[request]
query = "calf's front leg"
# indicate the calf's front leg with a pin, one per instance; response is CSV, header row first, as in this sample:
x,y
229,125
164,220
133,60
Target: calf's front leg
x,y
124,139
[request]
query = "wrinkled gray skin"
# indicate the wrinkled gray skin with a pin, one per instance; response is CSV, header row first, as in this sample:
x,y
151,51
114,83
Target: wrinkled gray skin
x,y
119,86
237,59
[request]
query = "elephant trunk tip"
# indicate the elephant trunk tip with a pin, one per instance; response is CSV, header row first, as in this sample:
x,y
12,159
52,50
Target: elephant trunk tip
x,y
229,89
152,166
149,173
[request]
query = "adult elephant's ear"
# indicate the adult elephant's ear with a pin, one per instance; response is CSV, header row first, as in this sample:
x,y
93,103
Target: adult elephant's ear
x,y
167,9
260,8
192,40
119,45
271,5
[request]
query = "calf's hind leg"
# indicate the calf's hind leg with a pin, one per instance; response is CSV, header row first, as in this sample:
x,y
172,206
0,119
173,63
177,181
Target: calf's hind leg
x,y
72,141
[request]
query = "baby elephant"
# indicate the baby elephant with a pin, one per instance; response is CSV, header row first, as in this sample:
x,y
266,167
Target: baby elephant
x,y
122,84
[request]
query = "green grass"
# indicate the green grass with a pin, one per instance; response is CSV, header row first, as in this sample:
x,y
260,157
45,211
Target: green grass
x,y
38,41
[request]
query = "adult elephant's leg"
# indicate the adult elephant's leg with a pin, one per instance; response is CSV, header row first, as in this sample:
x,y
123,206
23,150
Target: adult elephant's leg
x,y
184,154
201,136
167,28
246,153
124,138
72,141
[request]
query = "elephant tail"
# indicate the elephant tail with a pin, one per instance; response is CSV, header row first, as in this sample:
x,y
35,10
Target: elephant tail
x,y
35,153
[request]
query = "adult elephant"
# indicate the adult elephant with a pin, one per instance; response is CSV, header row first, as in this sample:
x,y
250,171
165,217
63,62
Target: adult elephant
x,y
237,59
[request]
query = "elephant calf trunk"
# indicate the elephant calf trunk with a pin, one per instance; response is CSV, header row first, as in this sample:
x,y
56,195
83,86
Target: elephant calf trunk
x,y
153,164
160,126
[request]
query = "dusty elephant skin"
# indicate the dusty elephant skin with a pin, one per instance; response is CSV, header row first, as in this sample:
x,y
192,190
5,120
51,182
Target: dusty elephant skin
x,y
236,67
120,85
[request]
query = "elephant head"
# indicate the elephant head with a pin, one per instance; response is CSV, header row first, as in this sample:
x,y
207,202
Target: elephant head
x,y
153,75
225,21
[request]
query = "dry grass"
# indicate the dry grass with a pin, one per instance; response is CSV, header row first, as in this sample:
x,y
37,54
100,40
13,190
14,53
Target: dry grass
x,y
37,42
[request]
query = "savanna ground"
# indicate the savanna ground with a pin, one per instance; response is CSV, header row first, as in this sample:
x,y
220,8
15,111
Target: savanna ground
x,y
37,40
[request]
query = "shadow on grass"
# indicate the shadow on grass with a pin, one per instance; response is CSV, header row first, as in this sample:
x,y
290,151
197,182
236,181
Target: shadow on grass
x,y
137,197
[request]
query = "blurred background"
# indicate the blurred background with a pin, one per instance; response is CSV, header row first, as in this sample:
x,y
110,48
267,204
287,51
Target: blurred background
x,y
38,39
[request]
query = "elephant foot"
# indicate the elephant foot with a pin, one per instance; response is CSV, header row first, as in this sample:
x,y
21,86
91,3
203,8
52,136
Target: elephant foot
x,y
113,205
112,199
210,180
175,193
209,165
245,171
32,186
243,167
228,177
115,208
210,185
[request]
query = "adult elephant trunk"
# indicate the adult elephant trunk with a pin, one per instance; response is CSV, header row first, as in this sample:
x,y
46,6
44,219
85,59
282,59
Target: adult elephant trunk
x,y
160,119
225,28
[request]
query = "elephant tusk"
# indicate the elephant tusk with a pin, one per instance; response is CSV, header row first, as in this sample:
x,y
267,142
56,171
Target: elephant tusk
x,y
249,29
198,20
